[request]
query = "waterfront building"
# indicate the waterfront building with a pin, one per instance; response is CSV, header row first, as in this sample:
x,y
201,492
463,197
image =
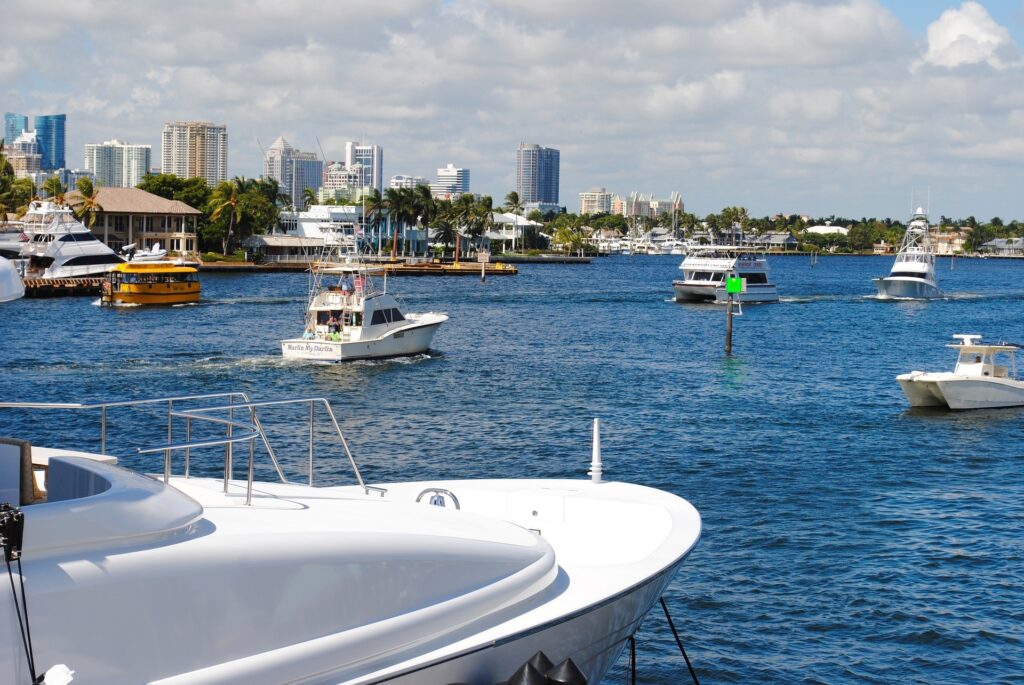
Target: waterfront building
x,y
371,161
452,182
293,170
195,149
132,215
537,171
299,235
401,181
596,201
14,126
68,177
23,154
342,182
641,205
117,164
50,136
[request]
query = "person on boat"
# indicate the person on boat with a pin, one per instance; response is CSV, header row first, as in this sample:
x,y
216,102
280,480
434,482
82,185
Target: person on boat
x,y
346,285
332,324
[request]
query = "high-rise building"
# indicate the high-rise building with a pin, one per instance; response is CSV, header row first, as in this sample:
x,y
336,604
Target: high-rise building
x,y
452,181
23,154
14,125
50,136
537,174
195,149
596,201
293,170
403,181
371,159
117,164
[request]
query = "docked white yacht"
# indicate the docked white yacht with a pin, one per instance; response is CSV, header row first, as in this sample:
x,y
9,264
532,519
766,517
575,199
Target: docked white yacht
x,y
912,276
348,318
985,377
155,253
65,248
706,267
174,578
11,285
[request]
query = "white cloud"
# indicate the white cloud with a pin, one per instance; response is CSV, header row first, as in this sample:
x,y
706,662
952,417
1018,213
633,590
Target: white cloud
x,y
966,36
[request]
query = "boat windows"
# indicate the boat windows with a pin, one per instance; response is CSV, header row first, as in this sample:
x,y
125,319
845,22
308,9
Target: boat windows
x,y
160,278
88,260
906,274
755,278
77,238
386,316
712,276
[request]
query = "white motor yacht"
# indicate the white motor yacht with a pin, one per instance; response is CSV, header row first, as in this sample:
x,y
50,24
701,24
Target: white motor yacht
x,y
65,248
11,285
985,377
155,253
706,267
348,318
174,578
912,276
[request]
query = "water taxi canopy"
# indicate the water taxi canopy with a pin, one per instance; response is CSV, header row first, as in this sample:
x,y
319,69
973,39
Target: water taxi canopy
x,y
154,267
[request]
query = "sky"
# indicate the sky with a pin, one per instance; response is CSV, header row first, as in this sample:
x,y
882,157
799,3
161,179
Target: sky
x,y
847,107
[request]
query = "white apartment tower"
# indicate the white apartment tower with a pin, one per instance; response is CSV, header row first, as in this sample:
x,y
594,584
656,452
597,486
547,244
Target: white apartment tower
x,y
293,170
452,181
596,201
371,161
403,181
116,164
195,148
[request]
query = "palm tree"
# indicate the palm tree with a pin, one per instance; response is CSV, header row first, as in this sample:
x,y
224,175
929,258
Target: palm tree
x,y
55,189
88,204
483,219
401,210
308,198
426,209
225,197
515,205
374,208
444,225
462,213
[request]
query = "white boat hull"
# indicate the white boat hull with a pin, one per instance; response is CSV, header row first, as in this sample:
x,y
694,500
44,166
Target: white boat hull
x,y
687,291
906,288
400,342
11,285
960,392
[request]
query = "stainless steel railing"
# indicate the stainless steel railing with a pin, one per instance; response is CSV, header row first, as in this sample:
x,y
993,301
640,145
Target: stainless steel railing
x,y
248,431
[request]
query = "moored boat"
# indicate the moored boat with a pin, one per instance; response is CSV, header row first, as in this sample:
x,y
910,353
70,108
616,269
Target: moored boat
x,y
151,283
219,580
11,285
65,248
912,276
985,377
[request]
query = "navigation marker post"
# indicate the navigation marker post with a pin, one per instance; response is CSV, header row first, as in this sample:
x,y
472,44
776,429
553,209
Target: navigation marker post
x,y
484,257
733,286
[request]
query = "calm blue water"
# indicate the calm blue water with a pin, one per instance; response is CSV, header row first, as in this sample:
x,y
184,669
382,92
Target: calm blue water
x,y
846,539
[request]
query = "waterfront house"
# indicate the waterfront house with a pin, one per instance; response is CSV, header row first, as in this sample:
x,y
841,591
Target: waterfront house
x,y
132,215
1004,247
776,241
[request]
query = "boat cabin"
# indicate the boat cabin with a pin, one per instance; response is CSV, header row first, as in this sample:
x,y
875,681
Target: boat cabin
x,y
976,359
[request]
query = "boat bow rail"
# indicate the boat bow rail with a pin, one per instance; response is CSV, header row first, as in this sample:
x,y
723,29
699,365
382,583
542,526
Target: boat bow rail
x,y
245,429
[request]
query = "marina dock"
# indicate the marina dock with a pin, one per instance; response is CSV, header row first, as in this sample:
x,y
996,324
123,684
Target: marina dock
x,y
393,268
62,287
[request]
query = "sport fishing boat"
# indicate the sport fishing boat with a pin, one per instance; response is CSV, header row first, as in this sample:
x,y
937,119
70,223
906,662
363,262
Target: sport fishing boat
x,y
348,318
65,248
912,276
151,283
706,267
172,578
985,377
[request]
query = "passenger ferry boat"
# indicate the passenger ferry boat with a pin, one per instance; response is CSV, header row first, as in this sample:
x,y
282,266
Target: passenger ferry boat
x,y
349,318
912,276
706,267
151,283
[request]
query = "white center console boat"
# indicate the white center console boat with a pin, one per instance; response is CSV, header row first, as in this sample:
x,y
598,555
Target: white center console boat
x,y
985,377
176,578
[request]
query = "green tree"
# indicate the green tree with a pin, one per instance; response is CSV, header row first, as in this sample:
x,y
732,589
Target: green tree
x,y
514,204
398,208
426,209
308,198
463,211
52,187
374,208
226,197
87,203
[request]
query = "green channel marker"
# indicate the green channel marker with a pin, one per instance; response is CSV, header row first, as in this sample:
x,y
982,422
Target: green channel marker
x,y
734,285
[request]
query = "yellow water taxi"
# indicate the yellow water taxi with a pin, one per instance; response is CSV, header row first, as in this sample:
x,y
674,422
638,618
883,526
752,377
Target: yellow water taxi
x,y
151,283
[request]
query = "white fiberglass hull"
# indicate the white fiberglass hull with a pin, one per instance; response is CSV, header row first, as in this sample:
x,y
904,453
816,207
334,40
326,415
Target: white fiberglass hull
x,y
960,392
11,285
906,288
689,291
83,271
414,338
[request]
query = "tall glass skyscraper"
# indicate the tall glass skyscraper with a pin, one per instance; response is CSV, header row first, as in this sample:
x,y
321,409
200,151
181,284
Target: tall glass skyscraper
x,y
537,170
14,124
50,136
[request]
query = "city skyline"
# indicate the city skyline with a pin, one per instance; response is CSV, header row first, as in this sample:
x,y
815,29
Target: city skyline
x,y
797,107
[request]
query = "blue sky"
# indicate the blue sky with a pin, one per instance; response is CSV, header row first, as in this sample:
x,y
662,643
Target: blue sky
x,y
796,106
